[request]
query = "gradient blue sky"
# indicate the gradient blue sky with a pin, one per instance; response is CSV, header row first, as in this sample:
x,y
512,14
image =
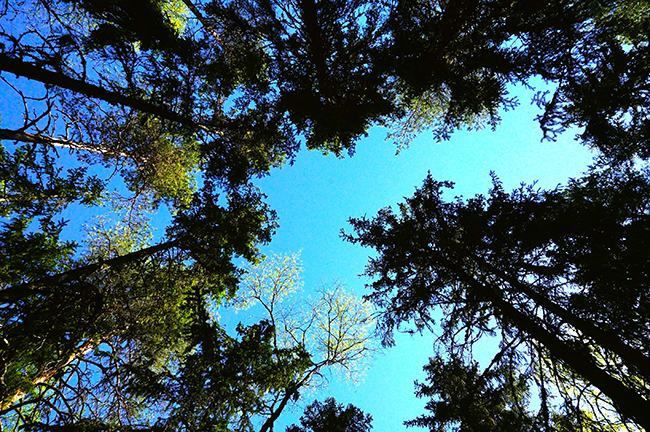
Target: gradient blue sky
x,y
315,197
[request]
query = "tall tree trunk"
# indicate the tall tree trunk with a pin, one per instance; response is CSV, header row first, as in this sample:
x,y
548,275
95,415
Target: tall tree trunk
x,y
631,356
268,424
290,391
15,293
204,22
44,375
58,79
17,135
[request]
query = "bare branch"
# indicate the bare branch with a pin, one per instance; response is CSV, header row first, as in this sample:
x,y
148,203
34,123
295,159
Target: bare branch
x,y
19,135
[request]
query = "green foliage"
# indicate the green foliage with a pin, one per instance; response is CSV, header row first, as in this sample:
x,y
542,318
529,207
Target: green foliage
x,y
214,234
177,14
164,164
85,335
605,95
319,55
428,111
464,53
118,22
33,185
26,254
332,331
221,383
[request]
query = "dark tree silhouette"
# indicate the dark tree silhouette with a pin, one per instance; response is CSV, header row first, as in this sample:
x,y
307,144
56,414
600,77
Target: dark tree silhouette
x,y
561,267
330,416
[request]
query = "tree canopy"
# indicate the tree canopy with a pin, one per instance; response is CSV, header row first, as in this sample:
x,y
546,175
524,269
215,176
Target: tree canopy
x,y
229,89
334,328
493,399
178,106
330,416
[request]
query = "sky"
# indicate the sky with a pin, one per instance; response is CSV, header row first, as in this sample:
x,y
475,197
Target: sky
x,y
317,195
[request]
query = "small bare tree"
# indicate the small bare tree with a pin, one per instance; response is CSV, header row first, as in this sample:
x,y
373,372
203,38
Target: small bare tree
x,y
333,326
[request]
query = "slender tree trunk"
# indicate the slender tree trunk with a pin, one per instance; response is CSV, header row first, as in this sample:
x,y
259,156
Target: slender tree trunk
x,y
46,374
57,142
15,293
290,391
268,424
627,401
204,22
45,76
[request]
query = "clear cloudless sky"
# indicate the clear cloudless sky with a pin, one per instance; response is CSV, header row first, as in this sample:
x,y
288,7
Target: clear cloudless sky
x,y
317,194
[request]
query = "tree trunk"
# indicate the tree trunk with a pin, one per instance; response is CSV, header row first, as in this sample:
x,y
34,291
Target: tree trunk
x,y
44,375
57,142
15,293
199,16
632,357
268,424
45,76
290,391
626,401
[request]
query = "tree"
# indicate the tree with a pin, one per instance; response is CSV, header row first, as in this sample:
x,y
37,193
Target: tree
x,y
221,383
460,394
216,381
462,397
453,61
558,268
100,68
332,417
333,329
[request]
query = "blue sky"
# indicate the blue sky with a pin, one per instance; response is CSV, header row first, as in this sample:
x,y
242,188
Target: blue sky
x,y
315,197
